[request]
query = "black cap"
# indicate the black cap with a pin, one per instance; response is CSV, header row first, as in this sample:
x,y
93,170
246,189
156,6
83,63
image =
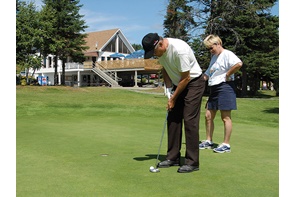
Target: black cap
x,y
149,42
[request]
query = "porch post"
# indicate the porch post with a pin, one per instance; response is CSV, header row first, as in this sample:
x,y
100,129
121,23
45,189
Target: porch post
x,y
135,79
91,80
78,78
59,78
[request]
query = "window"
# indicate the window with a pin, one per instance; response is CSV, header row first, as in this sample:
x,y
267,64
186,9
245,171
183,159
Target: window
x,y
111,47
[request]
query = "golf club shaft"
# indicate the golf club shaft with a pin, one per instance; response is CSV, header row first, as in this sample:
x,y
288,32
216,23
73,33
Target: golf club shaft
x,y
164,127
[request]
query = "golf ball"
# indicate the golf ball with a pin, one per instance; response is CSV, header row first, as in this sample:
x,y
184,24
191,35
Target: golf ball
x,y
152,168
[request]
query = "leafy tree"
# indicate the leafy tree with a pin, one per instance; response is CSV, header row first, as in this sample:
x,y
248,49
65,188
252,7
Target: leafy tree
x,y
179,20
28,36
137,46
65,38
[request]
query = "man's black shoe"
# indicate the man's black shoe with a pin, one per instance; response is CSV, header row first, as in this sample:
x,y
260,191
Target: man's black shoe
x,y
187,168
168,163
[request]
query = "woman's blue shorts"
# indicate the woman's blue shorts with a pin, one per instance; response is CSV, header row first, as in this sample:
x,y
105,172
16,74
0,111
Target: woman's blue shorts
x,y
222,97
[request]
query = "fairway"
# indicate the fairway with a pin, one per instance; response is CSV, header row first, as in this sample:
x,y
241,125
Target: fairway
x,y
99,141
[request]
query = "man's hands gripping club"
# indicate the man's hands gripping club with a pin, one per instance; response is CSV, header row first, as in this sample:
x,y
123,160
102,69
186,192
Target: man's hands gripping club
x,y
169,94
172,96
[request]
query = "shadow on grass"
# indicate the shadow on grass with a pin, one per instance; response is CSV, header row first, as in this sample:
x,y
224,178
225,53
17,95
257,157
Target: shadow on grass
x,y
149,157
274,110
265,94
161,158
259,94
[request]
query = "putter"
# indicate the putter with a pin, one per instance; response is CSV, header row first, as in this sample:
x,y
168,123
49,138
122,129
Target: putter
x,y
152,169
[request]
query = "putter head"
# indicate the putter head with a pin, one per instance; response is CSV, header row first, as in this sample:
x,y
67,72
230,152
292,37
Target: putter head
x,y
152,169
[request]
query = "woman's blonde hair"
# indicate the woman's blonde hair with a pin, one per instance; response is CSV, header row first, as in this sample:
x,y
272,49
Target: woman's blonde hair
x,y
212,39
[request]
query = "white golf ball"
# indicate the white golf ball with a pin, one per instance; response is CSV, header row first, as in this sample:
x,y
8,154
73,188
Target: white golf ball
x,y
152,168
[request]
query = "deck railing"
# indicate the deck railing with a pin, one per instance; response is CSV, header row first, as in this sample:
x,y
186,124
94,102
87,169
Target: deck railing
x,y
73,65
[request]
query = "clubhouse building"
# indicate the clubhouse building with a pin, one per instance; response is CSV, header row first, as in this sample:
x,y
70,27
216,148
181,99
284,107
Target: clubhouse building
x,y
110,61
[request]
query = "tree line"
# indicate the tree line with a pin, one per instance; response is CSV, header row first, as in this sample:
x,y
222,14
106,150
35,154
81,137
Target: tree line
x,y
246,27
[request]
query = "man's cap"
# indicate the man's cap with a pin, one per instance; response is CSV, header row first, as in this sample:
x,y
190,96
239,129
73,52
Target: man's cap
x,y
149,42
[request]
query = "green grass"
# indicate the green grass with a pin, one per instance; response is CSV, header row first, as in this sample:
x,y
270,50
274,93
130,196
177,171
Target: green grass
x,y
63,133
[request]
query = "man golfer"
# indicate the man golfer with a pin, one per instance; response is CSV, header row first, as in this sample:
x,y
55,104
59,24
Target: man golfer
x,y
182,76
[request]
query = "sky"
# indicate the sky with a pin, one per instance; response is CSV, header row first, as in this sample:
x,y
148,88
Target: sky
x,y
135,18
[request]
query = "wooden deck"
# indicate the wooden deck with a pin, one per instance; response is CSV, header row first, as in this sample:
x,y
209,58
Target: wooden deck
x,y
147,64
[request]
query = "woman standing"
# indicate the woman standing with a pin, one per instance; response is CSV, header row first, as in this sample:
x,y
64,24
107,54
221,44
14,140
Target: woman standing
x,y
220,76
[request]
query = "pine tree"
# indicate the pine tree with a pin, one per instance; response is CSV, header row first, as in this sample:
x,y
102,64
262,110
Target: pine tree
x,y
67,39
179,20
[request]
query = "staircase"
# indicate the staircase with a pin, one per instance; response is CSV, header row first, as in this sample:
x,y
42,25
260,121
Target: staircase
x,y
106,75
